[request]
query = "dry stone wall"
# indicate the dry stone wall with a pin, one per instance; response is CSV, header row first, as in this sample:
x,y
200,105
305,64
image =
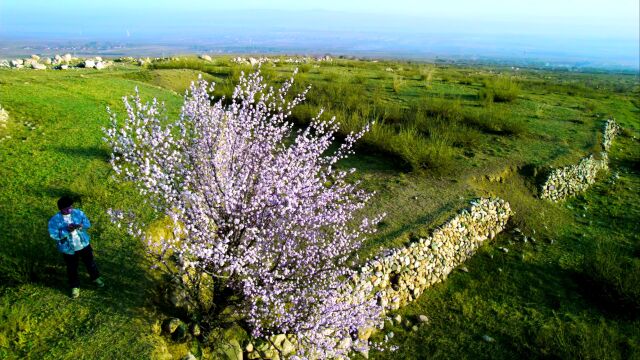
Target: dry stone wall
x,y
404,274
574,179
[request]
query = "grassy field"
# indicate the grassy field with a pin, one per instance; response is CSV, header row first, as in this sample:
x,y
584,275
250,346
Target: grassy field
x,y
443,135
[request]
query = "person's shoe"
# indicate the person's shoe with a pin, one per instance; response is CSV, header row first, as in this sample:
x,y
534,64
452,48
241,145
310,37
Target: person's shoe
x,y
75,292
99,282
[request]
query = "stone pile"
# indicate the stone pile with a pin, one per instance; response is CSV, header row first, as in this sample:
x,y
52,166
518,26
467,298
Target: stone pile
x,y
574,179
403,275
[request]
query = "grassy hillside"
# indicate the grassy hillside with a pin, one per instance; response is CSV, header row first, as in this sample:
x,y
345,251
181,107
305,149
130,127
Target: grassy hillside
x,y
443,135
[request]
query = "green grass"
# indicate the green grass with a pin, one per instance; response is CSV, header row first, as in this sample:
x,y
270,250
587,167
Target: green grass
x,y
434,146
573,293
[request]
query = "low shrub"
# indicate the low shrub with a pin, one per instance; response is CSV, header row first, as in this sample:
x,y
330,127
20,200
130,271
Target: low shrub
x,y
500,89
496,121
398,83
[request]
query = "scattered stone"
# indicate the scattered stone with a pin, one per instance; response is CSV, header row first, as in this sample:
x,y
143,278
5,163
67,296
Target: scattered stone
x,y
414,328
488,338
423,319
67,57
37,66
195,330
100,65
464,269
249,347
180,334
35,57
4,117
189,356
170,325
205,57
503,249
398,319
365,333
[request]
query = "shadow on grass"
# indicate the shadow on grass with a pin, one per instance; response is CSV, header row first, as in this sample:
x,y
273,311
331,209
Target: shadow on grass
x,y
86,152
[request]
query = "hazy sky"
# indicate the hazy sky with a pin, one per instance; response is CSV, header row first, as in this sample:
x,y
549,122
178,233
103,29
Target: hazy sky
x,y
607,17
607,28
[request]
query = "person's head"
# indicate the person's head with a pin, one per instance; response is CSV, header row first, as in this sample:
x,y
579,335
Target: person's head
x,y
64,205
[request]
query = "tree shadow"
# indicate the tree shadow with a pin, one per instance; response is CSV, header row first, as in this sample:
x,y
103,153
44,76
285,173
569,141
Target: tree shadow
x,y
86,152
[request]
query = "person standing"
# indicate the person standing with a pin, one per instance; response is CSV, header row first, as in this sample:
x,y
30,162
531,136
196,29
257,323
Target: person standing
x,y
68,228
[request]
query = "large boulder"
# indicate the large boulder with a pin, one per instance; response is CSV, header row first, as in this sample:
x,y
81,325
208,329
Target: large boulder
x,y
100,65
38,66
67,57
89,64
205,57
47,61
35,57
16,62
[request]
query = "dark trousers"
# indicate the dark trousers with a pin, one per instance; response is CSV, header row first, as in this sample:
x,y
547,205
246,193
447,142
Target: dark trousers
x,y
86,255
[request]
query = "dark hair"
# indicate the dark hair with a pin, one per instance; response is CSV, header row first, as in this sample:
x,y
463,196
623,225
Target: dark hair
x,y
64,202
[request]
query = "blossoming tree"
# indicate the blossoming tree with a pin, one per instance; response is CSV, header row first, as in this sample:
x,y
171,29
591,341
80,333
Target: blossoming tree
x,y
257,206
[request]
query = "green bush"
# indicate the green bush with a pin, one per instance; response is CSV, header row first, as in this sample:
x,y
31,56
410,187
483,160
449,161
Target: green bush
x,y
496,121
500,89
398,83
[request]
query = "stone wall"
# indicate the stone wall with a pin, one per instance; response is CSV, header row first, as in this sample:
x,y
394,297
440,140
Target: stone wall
x,y
574,179
402,276
611,129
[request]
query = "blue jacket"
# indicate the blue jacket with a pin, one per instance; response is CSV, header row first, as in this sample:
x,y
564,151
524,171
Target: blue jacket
x,y
58,231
